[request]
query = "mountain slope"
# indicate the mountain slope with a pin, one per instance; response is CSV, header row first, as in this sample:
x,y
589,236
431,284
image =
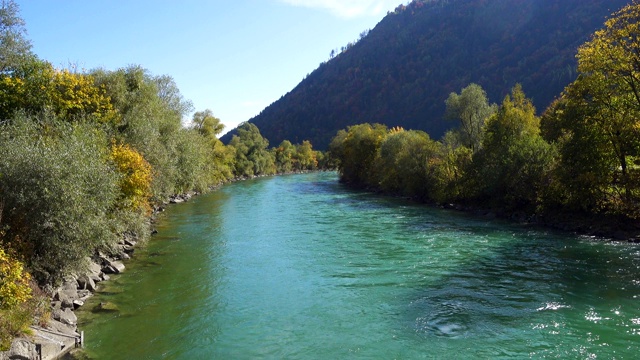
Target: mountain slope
x,y
401,72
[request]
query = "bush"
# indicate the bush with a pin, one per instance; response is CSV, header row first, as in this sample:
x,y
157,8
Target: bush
x,y
135,181
21,301
15,321
57,190
14,282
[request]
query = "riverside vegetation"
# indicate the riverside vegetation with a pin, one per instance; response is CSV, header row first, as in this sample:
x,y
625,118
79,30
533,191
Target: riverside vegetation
x,y
87,156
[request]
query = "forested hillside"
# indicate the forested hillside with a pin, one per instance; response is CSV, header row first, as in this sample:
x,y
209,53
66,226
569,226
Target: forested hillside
x,y
401,72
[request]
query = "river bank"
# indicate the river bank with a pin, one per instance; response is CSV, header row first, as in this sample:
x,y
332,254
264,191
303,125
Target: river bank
x,y
61,335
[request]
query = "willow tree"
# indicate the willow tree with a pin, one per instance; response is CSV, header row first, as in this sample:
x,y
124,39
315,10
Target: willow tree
x,y
252,157
471,107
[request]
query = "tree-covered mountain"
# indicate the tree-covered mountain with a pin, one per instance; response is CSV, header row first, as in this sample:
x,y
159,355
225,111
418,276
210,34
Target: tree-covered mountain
x,y
401,72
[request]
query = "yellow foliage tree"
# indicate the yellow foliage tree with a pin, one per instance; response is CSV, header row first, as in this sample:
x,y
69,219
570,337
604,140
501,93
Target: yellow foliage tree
x,y
135,183
76,94
14,282
36,85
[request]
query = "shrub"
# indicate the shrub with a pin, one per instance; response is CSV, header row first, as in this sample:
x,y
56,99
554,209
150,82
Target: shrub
x,y
58,191
135,181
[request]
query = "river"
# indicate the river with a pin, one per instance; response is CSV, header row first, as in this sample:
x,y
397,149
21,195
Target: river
x,y
300,267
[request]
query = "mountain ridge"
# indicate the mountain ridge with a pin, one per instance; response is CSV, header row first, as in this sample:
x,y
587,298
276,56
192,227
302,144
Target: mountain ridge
x,y
402,71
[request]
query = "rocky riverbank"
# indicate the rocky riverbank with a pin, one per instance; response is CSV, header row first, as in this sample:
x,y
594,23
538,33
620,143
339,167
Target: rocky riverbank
x,y
61,334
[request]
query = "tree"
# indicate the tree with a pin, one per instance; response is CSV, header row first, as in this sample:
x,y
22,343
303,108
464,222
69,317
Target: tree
x,y
472,109
450,170
404,159
357,149
284,155
149,121
305,156
170,95
252,156
34,86
14,282
207,124
60,191
135,179
14,46
514,159
596,122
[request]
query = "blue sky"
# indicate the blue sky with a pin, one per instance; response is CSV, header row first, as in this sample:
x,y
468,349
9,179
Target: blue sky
x,y
233,57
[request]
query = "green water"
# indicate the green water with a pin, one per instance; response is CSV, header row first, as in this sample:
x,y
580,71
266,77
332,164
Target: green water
x,y
299,267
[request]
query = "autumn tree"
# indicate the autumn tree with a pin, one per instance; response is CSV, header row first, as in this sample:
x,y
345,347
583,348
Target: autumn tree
x,y
514,158
135,176
305,156
14,282
356,150
284,155
34,86
207,124
596,120
15,291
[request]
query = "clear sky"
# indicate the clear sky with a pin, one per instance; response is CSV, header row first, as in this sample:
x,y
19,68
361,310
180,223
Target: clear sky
x,y
233,57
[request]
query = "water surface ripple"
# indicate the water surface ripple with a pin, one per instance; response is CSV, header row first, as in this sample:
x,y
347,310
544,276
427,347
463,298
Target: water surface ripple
x,y
299,267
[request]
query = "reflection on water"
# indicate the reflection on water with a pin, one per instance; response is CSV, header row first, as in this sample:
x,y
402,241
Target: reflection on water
x,y
301,267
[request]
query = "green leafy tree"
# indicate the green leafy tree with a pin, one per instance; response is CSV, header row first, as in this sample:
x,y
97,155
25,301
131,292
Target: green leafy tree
x,y
284,155
170,95
150,120
514,160
450,171
14,45
595,122
405,159
471,107
252,156
356,150
219,163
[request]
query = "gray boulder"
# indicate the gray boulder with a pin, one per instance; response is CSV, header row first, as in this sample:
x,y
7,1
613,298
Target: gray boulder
x,y
67,293
20,349
85,282
65,316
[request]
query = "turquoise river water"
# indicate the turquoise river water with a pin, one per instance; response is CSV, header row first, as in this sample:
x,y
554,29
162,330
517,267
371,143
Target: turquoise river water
x,y
300,267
